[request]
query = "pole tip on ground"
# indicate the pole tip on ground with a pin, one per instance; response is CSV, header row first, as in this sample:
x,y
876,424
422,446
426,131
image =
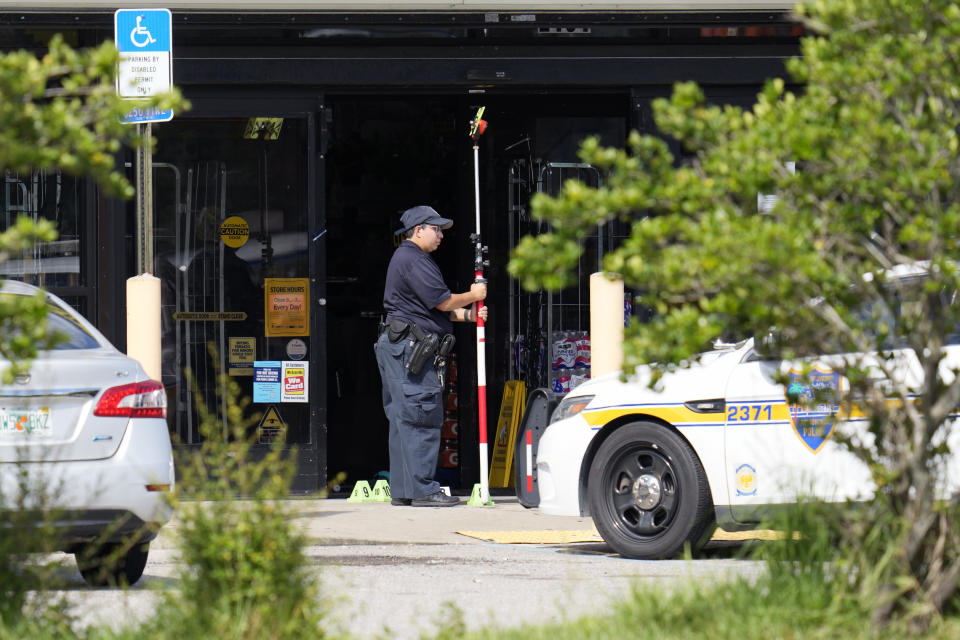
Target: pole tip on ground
x,y
476,498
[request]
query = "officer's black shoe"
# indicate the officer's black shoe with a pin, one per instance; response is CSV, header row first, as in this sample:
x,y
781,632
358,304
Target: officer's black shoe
x,y
400,502
438,499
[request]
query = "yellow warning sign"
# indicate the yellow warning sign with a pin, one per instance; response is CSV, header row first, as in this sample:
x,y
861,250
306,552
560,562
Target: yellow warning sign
x,y
511,412
234,231
271,426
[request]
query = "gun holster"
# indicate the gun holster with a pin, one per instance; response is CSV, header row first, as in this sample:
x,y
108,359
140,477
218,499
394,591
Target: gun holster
x,y
425,345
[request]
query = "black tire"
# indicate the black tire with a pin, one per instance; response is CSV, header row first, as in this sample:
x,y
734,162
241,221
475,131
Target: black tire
x,y
108,565
648,493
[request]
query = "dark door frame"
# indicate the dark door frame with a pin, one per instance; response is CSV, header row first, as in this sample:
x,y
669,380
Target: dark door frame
x,y
317,265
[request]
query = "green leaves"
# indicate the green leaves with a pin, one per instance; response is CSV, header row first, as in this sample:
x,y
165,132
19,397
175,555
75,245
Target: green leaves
x,y
547,260
874,138
62,111
59,111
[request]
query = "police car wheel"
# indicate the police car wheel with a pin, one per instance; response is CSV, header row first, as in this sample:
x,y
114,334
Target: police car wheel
x,y
648,493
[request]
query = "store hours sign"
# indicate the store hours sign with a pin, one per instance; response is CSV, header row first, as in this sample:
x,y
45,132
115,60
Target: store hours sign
x,y
144,38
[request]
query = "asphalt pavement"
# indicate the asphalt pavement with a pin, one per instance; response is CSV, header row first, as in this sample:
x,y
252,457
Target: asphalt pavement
x,y
403,572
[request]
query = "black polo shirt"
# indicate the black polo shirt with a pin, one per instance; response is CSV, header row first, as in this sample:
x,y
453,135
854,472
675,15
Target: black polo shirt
x,y
414,287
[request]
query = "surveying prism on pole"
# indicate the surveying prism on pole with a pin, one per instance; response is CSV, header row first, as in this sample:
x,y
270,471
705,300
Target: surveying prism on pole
x,y
477,127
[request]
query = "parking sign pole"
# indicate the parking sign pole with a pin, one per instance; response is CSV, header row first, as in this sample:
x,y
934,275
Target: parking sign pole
x,y
144,201
143,38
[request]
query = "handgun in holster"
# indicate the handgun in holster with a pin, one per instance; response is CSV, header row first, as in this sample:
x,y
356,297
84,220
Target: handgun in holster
x,y
425,345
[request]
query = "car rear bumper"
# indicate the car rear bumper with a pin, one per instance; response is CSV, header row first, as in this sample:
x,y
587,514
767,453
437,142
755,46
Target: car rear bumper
x,y
135,480
103,525
73,529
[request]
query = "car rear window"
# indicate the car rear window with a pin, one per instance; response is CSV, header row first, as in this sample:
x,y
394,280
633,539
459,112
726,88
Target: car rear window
x,y
70,333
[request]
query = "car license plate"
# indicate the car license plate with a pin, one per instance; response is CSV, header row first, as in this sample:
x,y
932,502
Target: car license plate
x,y
17,422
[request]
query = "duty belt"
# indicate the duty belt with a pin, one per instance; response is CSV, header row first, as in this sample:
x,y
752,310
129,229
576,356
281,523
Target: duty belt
x,y
427,346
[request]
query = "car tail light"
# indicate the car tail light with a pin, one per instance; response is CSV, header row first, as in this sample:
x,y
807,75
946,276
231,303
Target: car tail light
x,y
145,399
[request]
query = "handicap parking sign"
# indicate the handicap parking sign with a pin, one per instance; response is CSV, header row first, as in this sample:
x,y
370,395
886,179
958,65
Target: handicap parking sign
x,y
144,40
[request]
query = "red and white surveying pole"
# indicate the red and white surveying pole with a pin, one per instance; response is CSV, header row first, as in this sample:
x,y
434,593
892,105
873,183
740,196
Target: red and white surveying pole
x,y
477,127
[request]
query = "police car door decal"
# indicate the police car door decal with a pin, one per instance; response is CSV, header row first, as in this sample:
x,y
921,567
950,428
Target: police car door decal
x,y
777,456
756,422
814,401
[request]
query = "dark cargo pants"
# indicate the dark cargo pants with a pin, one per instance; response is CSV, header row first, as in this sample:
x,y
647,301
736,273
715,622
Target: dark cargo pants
x,y
414,406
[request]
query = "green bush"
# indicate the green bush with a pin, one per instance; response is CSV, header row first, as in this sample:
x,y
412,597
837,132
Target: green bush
x,y
28,535
244,573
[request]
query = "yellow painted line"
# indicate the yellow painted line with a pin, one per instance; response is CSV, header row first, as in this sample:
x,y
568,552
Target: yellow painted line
x,y
738,536
535,537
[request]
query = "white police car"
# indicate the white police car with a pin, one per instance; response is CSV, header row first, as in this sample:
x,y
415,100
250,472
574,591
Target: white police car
x,y
718,443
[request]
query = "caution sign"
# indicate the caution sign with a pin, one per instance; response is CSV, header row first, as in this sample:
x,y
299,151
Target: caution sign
x,y
234,232
242,355
286,307
271,426
511,412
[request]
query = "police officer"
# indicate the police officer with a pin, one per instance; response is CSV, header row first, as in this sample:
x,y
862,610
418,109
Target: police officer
x,y
417,304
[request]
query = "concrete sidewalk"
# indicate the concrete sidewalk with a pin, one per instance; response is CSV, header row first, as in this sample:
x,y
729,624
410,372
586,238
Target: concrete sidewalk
x,y
332,521
337,520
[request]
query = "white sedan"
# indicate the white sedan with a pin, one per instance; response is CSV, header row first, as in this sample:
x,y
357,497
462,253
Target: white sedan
x,y
719,443
84,437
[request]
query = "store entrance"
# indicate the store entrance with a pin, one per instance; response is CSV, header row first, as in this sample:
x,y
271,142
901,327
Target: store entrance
x,y
389,153
385,155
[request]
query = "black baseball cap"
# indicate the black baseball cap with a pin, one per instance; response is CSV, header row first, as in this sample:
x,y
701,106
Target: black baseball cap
x,y
422,215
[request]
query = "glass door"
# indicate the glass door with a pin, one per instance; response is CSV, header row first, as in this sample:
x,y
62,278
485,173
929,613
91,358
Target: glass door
x,y
232,198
